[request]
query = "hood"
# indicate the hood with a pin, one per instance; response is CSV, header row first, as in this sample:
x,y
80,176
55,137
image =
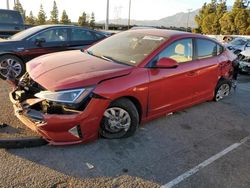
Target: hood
x,y
73,69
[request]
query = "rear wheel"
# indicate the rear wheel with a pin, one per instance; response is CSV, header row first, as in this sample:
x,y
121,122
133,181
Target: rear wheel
x,y
222,90
11,66
120,120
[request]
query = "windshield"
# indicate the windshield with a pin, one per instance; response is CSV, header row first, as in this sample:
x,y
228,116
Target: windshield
x,y
127,47
26,33
238,42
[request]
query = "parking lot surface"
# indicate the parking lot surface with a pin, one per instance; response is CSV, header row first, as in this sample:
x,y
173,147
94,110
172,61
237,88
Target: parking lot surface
x,y
157,154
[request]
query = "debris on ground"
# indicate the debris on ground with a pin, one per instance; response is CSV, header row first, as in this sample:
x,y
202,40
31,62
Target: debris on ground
x,y
2,125
90,166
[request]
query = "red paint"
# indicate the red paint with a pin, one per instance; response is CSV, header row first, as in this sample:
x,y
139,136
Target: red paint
x,y
157,90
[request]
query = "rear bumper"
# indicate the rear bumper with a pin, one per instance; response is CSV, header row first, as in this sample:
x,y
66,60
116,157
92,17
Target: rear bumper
x,y
62,129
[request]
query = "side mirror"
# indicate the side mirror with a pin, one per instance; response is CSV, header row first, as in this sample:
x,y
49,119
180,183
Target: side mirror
x,y
248,44
40,41
166,63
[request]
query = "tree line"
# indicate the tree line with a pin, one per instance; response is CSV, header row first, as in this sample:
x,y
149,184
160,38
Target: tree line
x,y
215,18
84,20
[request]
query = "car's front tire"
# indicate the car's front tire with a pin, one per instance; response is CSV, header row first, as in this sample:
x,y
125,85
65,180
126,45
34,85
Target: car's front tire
x,y
11,66
120,120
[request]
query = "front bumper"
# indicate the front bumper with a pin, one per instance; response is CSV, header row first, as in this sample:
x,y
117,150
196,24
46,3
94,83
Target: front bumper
x,y
244,66
62,129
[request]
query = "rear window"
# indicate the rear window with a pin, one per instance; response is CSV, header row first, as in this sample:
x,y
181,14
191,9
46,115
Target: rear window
x,y
206,48
10,17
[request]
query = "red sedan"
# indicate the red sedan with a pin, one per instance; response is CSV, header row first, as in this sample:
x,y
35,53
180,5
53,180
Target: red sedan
x,y
127,79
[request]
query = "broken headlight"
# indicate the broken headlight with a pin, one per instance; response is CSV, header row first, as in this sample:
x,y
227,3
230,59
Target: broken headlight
x,y
74,96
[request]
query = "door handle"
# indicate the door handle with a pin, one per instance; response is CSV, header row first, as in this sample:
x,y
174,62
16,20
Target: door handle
x,y
192,73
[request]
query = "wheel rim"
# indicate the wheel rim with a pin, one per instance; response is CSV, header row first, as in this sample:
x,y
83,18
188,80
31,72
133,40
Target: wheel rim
x,y
117,119
222,92
10,67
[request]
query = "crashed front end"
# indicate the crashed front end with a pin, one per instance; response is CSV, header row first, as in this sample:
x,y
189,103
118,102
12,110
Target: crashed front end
x,y
62,117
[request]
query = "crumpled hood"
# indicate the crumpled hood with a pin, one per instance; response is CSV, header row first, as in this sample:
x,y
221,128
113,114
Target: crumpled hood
x,y
73,69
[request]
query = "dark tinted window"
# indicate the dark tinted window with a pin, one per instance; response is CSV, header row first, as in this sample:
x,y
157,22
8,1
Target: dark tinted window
x,y
10,17
53,35
220,49
206,48
99,36
81,34
181,51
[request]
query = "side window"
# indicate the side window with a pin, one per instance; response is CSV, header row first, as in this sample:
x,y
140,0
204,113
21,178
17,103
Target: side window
x,y
99,36
53,35
205,48
220,49
81,34
181,51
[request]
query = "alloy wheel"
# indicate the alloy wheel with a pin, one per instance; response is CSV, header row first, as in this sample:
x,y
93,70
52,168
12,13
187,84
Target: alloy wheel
x,y
222,92
10,67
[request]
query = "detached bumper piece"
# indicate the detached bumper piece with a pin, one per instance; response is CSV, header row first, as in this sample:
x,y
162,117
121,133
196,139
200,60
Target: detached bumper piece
x,y
22,143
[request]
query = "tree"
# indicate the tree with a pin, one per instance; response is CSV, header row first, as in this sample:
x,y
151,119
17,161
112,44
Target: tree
x,y
54,14
18,7
241,22
82,21
227,24
30,20
41,18
65,18
92,21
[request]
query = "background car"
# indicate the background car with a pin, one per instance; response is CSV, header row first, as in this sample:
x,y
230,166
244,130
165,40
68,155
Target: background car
x,y
244,61
238,45
11,22
33,42
131,77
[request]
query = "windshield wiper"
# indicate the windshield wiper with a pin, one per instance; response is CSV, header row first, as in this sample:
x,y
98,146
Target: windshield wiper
x,y
108,58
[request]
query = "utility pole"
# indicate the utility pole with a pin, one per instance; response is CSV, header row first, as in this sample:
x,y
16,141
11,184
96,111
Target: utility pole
x,y
107,17
8,4
189,10
129,11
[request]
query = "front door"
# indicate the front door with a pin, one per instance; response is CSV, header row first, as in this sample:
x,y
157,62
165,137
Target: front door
x,y
51,40
172,89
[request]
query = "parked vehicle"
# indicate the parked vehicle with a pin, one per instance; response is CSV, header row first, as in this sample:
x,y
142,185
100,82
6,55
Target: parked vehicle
x,y
244,61
40,40
127,79
11,22
238,45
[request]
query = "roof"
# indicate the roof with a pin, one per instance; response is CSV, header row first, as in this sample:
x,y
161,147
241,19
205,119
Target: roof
x,y
162,32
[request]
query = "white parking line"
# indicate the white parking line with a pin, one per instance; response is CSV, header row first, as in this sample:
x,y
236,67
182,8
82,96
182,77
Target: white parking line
x,y
204,164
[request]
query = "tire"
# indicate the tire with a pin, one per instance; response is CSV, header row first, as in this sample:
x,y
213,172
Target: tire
x,y
111,128
222,90
17,66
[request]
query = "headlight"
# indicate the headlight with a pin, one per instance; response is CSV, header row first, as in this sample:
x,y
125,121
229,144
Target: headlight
x,y
68,96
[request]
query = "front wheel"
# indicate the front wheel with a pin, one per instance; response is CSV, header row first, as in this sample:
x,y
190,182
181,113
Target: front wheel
x,y
222,90
11,66
120,120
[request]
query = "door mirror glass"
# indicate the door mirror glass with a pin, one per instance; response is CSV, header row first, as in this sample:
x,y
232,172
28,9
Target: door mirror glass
x,y
166,62
40,41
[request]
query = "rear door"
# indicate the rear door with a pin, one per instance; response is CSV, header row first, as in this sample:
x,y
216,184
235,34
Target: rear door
x,y
55,40
208,63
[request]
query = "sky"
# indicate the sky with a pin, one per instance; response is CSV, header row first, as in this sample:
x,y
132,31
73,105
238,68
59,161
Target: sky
x,y
140,9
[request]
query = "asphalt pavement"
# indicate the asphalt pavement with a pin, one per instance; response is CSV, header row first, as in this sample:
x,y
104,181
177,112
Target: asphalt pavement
x,y
160,152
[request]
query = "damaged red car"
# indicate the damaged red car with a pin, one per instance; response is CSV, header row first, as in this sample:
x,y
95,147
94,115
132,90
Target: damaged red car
x,y
115,85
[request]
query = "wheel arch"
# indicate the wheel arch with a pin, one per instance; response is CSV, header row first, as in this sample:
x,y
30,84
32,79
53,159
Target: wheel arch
x,y
13,54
